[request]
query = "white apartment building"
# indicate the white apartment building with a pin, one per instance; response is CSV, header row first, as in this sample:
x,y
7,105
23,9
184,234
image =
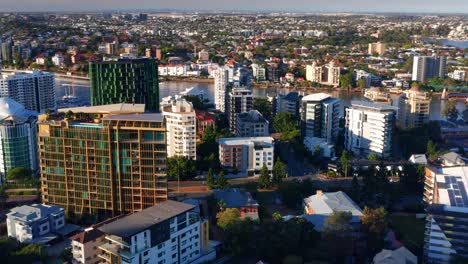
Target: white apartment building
x,y
445,193
369,128
181,127
35,223
35,90
221,81
247,155
85,246
58,60
320,114
413,108
376,47
328,74
459,75
258,72
170,232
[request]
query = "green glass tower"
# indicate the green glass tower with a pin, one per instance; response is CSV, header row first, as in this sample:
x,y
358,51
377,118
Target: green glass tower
x,y
133,81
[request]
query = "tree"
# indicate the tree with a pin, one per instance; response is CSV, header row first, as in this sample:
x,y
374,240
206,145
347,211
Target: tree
x,y
18,173
279,172
264,178
450,111
431,150
286,124
196,102
210,179
263,106
181,168
277,216
372,157
375,220
361,83
346,80
222,182
227,217
345,162
3,197
337,234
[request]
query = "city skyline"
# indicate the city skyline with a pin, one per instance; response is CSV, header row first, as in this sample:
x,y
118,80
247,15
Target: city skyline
x,y
399,6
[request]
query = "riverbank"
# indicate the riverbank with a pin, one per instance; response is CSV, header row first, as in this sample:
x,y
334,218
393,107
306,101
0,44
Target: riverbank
x,y
307,88
186,79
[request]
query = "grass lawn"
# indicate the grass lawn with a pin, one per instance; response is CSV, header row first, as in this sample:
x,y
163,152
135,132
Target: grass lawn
x,y
410,231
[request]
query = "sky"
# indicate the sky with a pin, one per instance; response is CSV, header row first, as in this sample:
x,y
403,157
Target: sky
x,y
400,6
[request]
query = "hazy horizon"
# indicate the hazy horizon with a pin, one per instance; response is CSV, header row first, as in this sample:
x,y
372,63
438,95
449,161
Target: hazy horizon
x,y
359,6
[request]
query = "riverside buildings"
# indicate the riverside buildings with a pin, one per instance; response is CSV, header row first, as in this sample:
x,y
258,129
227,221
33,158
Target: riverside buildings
x,y
369,128
18,137
221,81
132,81
328,74
413,108
103,161
427,67
35,90
181,127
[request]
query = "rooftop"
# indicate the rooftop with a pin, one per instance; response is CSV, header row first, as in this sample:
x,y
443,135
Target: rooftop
x,y
327,203
251,116
372,106
87,235
107,109
34,212
315,97
150,117
292,96
11,110
244,140
235,198
145,219
401,255
452,184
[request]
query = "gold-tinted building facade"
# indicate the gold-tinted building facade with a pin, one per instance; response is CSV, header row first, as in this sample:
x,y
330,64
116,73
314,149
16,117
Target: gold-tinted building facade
x,y
103,165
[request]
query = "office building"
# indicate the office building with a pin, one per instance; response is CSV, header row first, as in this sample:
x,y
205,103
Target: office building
x,y
252,124
378,96
181,128
427,67
239,199
246,155
320,206
170,232
446,196
289,103
221,82
320,115
328,74
36,223
18,138
239,101
35,90
103,161
84,246
132,81
258,72
413,108
377,47
369,128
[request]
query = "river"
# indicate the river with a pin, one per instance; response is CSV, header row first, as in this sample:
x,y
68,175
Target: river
x,y
81,90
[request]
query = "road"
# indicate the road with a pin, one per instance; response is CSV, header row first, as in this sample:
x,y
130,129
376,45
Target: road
x,y
297,164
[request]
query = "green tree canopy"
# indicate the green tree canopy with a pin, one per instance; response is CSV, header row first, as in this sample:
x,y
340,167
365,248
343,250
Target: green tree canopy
x,y
375,220
228,217
450,111
222,182
264,178
210,179
181,167
279,172
286,124
19,173
263,106
346,80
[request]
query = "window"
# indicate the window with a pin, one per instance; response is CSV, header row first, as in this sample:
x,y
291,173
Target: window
x,y
174,255
161,254
145,253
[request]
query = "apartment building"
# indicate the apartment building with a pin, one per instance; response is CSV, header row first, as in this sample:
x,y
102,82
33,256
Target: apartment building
x,y
18,138
328,74
289,103
252,124
427,67
35,90
240,100
320,116
413,108
84,246
170,232
378,96
103,161
445,193
247,155
369,128
221,81
36,223
258,72
181,127
376,47
124,80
